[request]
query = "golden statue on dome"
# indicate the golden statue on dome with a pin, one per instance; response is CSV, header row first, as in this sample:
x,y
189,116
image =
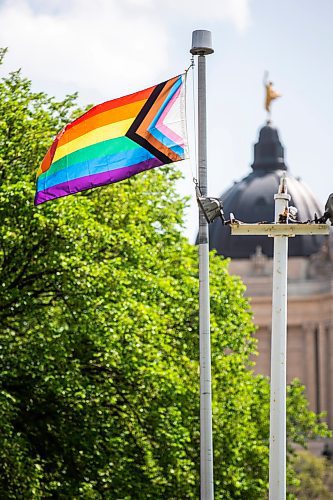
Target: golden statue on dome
x,y
271,94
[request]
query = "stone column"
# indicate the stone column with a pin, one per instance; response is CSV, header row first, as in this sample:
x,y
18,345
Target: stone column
x,y
309,364
322,369
329,373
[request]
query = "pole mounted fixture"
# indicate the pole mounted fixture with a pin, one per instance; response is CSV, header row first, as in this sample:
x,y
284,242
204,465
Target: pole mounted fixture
x,y
328,214
211,207
202,46
201,43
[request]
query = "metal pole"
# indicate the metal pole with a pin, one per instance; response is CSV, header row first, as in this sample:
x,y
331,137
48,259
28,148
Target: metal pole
x,y
280,232
278,437
206,440
201,45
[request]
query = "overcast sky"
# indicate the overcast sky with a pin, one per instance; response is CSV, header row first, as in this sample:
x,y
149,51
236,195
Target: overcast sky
x,y
108,48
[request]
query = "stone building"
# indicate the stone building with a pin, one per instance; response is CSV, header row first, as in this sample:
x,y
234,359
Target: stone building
x,y
310,290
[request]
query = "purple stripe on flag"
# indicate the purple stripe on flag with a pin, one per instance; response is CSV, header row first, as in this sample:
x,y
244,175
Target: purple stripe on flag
x,y
91,181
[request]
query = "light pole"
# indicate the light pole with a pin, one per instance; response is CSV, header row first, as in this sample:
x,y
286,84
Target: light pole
x,y
281,232
202,46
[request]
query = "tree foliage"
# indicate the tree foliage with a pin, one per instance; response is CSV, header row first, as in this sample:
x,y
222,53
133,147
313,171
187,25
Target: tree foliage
x,y
314,477
99,343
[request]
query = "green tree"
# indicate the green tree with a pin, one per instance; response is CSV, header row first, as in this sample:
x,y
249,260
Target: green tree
x,y
99,344
314,475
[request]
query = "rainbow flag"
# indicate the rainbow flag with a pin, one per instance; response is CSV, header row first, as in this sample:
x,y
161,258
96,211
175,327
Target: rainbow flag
x,y
115,140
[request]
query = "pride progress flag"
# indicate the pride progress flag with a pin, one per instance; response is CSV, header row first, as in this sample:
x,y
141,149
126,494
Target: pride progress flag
x,y
116,140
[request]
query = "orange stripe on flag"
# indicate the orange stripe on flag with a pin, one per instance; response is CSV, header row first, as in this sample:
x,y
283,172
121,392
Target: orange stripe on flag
x,y
115,103
100,120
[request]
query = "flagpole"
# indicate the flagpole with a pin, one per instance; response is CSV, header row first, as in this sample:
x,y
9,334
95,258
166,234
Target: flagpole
x,y
202,46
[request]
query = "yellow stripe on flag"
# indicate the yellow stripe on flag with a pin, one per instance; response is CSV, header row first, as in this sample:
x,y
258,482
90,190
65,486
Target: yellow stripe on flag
x,y
100,134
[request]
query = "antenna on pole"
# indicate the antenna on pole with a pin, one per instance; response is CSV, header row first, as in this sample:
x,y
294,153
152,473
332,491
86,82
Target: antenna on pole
x,y
202,46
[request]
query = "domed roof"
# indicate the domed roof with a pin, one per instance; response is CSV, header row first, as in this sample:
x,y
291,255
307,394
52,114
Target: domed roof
x,y
252,200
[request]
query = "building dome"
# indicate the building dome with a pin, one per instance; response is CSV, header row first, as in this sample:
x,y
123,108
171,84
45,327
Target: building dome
x,y
252,200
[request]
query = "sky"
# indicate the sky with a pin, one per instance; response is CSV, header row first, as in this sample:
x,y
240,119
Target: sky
x,y
108,48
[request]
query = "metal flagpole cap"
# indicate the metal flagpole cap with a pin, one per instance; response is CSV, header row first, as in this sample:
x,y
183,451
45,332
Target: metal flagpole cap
x,y
201,43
